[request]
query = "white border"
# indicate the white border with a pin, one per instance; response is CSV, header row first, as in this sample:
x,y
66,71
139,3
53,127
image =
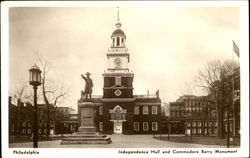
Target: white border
x,y
243,151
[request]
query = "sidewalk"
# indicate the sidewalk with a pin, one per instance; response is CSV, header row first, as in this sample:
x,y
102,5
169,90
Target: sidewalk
x,y
25,138
204,140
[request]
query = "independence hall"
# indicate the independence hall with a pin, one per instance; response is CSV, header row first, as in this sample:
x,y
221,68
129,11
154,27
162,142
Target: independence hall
x,y
118,109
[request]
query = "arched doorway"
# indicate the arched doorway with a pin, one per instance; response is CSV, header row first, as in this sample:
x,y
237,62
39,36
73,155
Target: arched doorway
x,y
118,116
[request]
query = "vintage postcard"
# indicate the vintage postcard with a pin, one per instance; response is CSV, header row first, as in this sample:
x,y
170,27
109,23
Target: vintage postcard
x,y
125,79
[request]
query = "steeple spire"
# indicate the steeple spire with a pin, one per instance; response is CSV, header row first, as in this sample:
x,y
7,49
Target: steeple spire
x,y
118,16
118,24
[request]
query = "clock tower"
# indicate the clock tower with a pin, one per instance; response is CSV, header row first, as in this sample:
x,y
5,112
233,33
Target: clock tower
x,y
118,80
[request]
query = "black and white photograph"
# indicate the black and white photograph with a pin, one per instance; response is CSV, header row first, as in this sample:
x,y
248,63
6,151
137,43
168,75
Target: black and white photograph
x,y
125,79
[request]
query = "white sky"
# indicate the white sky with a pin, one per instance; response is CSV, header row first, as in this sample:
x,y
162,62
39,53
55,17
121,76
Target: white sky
x,y
167,45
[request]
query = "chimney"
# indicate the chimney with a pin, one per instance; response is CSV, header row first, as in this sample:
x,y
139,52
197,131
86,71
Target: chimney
x,y
10,100
18,102
157,93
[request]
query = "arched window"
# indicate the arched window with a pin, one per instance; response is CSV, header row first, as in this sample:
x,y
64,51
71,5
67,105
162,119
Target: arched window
x,y
117,41
113,41
118,113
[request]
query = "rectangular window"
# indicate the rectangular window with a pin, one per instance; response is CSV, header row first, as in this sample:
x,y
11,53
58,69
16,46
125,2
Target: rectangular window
x,y
100,126
24,131
194,131
145,126
188,124
199,131
118,80
145,109
199,124
136,126
231,127
154,126
101,110
136,110
40,131
29,131
210,124
154,110
226,127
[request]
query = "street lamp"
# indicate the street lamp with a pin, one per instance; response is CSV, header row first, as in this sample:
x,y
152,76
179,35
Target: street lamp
x,y
35,80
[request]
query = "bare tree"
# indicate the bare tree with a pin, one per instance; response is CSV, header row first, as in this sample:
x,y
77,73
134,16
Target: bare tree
x,y
20,95
209,79
53,94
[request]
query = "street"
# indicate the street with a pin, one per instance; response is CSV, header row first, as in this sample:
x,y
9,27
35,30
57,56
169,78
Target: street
x,y
119,141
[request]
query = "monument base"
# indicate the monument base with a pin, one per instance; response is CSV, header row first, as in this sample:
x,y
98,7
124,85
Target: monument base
x,y
87,132
86,138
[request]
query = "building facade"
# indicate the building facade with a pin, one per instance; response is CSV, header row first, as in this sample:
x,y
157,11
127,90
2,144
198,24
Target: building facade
x,y
193,115
229,100
118,109
21,119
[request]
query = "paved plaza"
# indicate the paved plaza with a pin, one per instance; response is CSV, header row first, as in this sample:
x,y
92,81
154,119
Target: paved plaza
x,y
119,141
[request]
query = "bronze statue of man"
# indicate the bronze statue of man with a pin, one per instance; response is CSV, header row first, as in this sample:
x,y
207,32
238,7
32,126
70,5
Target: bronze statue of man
x,y
88,85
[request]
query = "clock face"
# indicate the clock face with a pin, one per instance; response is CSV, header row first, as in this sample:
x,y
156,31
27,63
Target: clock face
x,y
118,92
118,62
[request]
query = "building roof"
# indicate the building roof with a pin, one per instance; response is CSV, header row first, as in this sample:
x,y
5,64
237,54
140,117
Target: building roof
x,y
118,32
145,96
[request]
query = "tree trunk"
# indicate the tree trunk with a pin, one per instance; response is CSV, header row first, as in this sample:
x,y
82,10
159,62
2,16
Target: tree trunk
x,y
48,109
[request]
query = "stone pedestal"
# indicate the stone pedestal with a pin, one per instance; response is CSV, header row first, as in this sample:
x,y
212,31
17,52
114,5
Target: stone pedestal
x,y
86,117
86,132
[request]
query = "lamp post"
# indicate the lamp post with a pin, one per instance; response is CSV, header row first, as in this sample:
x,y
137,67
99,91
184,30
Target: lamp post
x,y
228,128
35,80
168,128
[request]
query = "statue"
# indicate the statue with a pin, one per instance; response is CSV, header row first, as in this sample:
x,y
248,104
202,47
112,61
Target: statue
x,y
88,85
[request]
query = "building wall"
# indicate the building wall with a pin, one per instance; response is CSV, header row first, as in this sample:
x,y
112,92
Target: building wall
x,y
21,119
130,117
198,111
229,100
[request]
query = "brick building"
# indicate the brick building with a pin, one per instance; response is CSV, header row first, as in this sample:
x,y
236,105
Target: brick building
x,y
118,109
21,119
229,101
196,114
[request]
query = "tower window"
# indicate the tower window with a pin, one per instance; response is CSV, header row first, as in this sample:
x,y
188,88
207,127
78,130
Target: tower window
x,y
118,80
122,40
113,41
117,41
